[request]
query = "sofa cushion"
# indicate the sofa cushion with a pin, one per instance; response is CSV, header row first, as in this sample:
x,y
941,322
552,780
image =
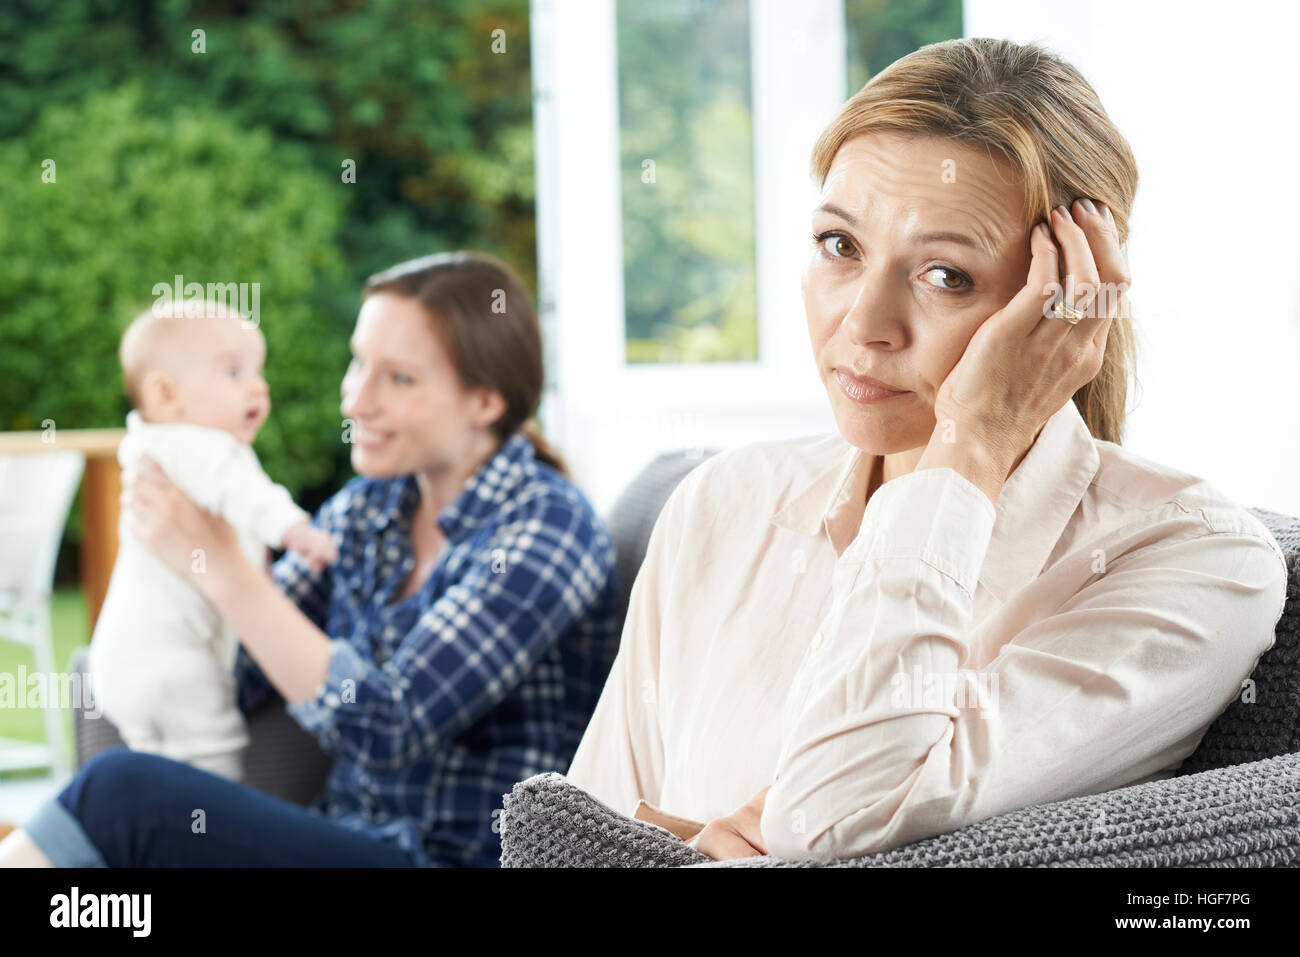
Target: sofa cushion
x,y
632,517
1264,720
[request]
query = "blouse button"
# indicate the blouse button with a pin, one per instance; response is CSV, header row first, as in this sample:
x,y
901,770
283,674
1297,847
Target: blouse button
x,y
817,641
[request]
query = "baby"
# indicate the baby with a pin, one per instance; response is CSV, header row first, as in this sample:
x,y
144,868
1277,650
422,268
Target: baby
x,y
161,659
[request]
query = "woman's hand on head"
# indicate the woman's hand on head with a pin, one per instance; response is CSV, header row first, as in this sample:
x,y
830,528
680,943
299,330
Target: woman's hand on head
x,y
197,544
1023,363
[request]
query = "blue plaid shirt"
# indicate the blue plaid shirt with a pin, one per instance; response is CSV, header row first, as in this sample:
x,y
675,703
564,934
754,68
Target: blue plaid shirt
x,y
434,706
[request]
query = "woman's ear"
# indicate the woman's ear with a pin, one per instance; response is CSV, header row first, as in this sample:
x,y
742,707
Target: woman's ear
x,y
491,405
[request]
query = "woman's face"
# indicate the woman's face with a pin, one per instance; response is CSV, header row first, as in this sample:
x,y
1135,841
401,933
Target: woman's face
x,y
408,411
885,301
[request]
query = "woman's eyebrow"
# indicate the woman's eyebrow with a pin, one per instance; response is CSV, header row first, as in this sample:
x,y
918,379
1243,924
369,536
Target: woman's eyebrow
x,y
841,213
408,365
961,239
917,239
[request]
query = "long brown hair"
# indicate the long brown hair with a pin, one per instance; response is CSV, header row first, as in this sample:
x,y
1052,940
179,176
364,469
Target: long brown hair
x,y
484,317
1030,107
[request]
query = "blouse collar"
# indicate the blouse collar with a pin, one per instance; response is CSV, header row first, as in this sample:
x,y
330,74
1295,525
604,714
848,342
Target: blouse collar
x,y
496,481
1033,508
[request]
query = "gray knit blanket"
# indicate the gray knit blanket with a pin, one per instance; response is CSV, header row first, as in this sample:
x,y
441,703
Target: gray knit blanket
x,y
1247,815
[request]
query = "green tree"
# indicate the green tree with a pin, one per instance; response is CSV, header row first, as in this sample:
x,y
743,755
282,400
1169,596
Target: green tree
x,y
432,105
882,31
138,198
688,246
431,101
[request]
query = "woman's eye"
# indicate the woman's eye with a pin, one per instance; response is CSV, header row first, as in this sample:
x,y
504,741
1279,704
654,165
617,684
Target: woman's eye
x,y
836,245
964,283
839,247
401,379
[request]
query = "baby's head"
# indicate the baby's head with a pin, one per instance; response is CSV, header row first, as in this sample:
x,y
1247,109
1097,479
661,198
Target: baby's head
x,y
202,366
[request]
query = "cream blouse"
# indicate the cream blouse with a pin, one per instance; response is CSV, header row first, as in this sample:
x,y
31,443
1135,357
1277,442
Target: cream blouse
x,y
928,661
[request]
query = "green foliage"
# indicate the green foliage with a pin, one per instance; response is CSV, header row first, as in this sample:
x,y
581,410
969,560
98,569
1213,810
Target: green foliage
x,y
688,242
137,199
439,125
227,163
881,31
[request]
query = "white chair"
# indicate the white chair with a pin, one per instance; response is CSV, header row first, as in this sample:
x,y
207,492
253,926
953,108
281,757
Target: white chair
x,y
36,493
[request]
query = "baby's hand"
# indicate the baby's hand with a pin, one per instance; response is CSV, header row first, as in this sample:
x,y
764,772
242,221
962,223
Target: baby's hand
x,y
314,545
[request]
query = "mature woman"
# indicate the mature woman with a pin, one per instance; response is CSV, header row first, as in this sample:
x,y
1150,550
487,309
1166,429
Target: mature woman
x,y
971,599
458,644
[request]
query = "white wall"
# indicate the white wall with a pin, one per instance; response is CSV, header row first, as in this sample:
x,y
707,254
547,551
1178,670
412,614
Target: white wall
x,y
1202,91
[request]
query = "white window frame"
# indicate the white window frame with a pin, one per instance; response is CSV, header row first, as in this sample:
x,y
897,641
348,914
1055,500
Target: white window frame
x,y
608,417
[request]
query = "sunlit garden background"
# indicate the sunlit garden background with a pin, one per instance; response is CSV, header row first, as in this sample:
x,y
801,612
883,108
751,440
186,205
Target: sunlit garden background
x,y
221,157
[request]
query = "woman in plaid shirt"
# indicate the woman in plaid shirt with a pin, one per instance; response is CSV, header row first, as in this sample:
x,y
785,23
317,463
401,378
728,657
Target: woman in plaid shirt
x,y
457,645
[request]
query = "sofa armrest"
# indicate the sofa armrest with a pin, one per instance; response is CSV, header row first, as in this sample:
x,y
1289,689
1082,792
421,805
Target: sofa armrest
x,y
547,821
1246,815
281,759
90,735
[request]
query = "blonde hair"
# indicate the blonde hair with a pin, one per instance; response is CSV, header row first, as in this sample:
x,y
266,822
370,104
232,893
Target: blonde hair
x,y
154,334
1026,105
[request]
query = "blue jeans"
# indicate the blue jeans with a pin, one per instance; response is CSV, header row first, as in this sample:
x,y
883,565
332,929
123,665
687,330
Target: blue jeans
x,y
131,809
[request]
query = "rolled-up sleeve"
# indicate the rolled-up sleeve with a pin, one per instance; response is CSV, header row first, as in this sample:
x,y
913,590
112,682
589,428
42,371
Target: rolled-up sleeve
x,y
524,586
886,740
347,672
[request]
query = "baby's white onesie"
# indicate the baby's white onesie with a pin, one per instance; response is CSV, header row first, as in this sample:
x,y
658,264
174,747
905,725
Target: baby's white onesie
x,y
161,658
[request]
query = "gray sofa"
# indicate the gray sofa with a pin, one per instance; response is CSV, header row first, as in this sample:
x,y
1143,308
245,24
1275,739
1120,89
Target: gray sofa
x,y
1234,802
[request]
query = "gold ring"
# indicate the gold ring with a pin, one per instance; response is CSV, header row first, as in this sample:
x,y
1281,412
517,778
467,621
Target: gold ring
x,y
1067,312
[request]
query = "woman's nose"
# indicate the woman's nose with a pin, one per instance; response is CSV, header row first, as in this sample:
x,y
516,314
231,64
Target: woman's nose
x,y
356,398
874,313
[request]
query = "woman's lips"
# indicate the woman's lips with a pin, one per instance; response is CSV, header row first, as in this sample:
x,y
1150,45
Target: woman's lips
x,y
865,390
